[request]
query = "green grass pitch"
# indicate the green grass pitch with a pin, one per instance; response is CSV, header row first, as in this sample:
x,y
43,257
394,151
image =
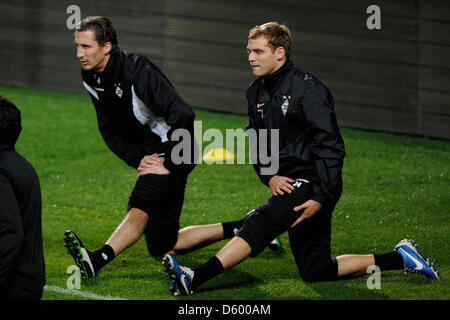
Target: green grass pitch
x,y
395,187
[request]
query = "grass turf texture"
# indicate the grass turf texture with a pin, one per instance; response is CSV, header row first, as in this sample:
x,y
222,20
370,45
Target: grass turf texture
x,y
395,187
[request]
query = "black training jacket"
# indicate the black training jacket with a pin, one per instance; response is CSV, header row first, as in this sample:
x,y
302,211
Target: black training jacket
x,y
21,251
302,108
138,109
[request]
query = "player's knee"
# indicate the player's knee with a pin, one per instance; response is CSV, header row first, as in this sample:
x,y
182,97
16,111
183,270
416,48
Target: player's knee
x,y
316,273
311,276
161,241
158,250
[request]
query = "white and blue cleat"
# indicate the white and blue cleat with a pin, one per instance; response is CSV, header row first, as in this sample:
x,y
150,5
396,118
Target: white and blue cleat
x,y
414,260
181,277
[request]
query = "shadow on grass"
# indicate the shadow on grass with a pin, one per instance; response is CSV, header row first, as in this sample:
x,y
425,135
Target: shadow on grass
x,y
342,290
391,283
234,279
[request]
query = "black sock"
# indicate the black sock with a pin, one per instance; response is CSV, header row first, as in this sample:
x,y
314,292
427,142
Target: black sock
x,y
207,271
102,257
231,227
389,261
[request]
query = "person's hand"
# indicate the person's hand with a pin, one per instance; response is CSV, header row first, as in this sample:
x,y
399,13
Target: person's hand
x,y
152,164
279,184
311,208
148,161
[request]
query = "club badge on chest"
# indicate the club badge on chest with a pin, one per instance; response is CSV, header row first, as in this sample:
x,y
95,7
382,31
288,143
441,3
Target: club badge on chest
x,y
285,105
119,91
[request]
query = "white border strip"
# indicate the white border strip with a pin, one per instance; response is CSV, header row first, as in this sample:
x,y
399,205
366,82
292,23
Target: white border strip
x,y
80,293
91,91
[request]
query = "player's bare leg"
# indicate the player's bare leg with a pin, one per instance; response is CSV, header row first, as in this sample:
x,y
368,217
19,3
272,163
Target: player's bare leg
x,y
354,265
126,234
198,236
234,252
195,237
129,231
184,279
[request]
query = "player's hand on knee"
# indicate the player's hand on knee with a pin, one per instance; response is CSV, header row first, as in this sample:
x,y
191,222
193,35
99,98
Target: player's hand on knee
x,y
279,185
154,170
149,160
310,207
152,164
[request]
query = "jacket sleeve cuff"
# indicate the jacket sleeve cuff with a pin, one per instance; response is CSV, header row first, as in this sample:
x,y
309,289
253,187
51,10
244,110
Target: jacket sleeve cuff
x,y
265,179
319,197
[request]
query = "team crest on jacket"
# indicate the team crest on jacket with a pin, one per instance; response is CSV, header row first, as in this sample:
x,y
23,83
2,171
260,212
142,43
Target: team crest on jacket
x,y
285,105
119,91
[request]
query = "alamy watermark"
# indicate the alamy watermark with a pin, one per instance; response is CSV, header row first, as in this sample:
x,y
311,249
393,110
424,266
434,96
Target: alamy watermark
x,y
373,22
75,16
262,149
74,278
374,280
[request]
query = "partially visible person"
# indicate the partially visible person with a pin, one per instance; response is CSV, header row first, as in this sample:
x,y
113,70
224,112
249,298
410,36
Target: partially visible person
x,y
22,265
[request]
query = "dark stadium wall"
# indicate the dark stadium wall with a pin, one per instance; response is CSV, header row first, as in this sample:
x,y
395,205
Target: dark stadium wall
x,y
393,79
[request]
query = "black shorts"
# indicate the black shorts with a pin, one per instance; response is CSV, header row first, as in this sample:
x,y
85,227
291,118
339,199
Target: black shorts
x,y
311,243
310,240
274,217
161,197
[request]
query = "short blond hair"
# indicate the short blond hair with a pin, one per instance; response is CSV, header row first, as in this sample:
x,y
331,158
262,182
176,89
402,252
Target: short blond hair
x,y
277,35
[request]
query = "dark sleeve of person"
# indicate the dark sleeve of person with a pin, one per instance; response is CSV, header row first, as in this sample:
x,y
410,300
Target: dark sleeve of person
x,y
156,91
128,152
327,145
11,229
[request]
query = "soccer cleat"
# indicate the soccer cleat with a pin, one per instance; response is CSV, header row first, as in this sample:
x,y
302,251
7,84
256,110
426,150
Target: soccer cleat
x,y
275,245
414,260
80,254
181,277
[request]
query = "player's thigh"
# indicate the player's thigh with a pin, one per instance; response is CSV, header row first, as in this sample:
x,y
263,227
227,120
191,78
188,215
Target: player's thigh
x,y
273,218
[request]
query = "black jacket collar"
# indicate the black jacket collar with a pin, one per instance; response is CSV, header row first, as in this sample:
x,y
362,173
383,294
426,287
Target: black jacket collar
x,y
113,59
272,81
111,63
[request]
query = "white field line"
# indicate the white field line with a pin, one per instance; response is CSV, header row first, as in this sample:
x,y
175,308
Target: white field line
x,y
84,294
